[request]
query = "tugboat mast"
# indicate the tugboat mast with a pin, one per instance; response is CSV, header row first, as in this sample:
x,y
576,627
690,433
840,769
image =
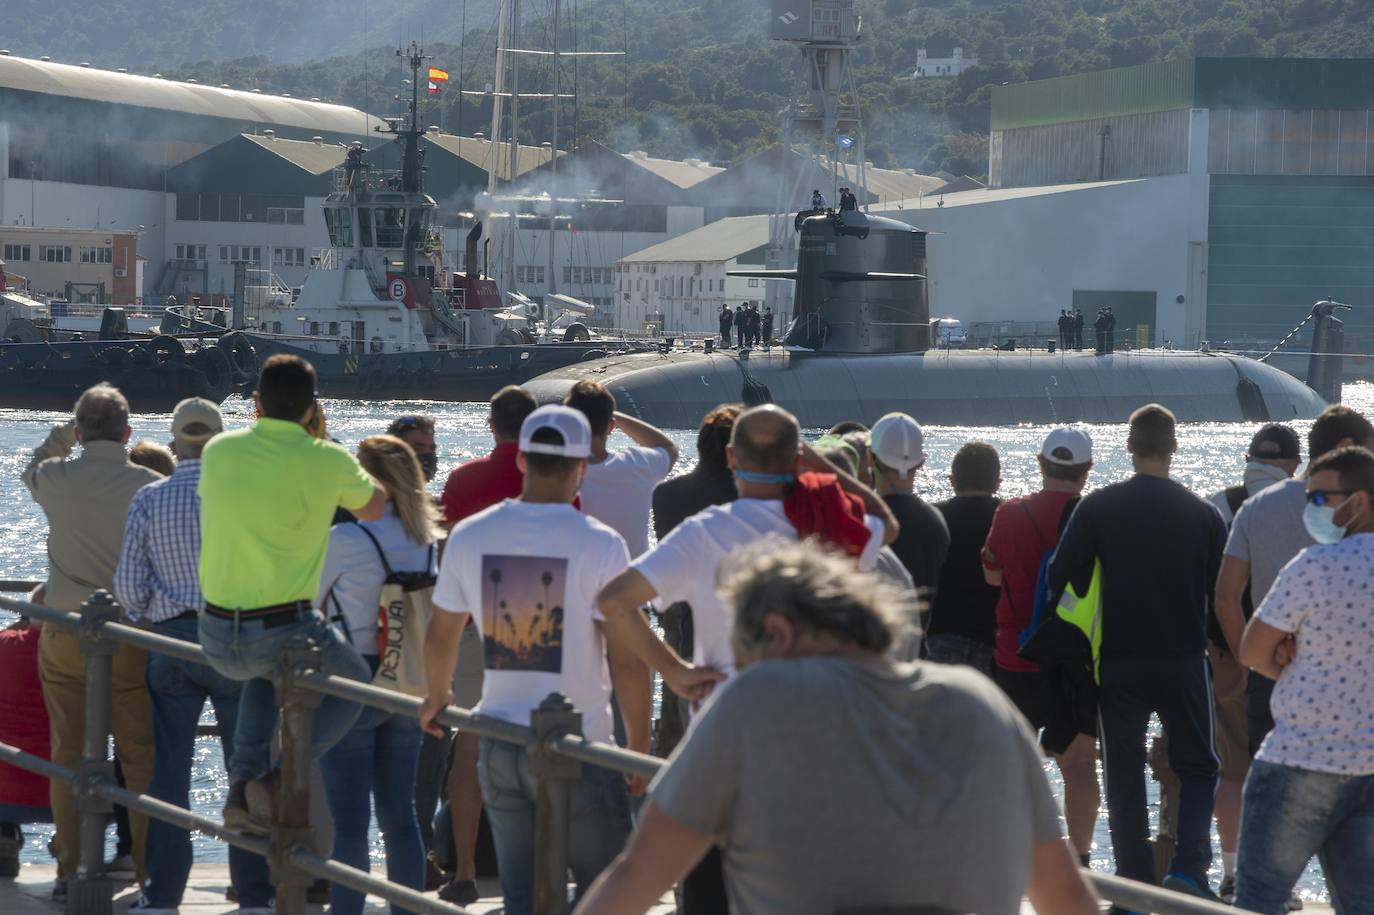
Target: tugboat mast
x,y
412,157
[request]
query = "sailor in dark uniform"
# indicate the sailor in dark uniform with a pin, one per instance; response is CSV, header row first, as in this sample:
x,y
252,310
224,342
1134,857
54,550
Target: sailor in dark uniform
x,y
817,201
742,325
767,326
727,318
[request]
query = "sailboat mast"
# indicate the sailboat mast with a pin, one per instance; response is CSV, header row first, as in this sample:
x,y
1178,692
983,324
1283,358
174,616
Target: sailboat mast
x,y
553,165
513,223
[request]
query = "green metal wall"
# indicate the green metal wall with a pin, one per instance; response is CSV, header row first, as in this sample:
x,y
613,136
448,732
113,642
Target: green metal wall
x,y
1277,244
1207,82
1128,90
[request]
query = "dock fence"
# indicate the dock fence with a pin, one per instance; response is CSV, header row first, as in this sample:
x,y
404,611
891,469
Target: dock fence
x,y
553,740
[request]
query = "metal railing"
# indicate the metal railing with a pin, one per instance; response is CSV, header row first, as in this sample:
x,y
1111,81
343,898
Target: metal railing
x,y
556,748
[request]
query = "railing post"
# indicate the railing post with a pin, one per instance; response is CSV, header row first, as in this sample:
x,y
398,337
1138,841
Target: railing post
x,y
554,775
291,807
91,893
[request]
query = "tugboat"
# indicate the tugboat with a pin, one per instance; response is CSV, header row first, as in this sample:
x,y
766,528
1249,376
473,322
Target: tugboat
x,y
381,318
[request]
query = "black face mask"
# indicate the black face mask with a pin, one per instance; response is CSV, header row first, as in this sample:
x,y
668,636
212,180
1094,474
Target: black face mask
x,y
429,463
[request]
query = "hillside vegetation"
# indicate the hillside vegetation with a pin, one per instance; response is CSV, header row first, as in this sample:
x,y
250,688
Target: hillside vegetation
x,y
700,78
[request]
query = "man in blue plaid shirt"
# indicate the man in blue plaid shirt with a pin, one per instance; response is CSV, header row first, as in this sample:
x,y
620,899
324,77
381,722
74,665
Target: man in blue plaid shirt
x,y
158,580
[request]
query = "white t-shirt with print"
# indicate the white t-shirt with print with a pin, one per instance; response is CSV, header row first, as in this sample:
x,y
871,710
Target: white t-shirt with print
x,y
529,574
1323,703
683,566
619,492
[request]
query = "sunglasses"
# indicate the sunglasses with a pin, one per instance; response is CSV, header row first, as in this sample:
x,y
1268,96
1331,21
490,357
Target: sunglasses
x,y
1321,497
406,423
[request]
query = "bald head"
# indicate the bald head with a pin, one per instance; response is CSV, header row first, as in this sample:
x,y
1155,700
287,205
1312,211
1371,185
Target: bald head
x,y
766,439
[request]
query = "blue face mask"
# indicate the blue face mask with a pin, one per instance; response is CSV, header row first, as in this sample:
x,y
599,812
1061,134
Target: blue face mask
x,y
753,476
1318,519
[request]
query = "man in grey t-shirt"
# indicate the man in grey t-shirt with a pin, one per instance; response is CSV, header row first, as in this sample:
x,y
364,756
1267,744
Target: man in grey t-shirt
x,y
1266,534
835,779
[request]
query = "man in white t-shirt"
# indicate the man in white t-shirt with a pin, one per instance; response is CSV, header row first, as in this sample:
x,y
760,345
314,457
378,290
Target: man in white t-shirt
x,y
527,572
1311,788
619,486
766,455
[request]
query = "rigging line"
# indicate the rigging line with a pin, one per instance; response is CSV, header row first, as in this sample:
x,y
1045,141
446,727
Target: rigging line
x,y
462,48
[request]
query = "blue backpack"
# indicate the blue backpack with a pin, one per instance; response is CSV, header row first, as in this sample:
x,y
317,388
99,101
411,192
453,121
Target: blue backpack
x,y
1045,602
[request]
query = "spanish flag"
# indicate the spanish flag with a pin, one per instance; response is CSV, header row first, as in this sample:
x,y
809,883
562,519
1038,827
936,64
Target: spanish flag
x,y
437,79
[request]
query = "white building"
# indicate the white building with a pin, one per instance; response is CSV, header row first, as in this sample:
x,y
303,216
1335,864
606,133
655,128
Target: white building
x,y
682,283
942,67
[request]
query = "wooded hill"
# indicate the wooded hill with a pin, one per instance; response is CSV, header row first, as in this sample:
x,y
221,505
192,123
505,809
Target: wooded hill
x,y
699,78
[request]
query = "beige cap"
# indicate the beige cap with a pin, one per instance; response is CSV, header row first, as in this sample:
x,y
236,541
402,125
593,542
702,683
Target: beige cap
x,y
196,411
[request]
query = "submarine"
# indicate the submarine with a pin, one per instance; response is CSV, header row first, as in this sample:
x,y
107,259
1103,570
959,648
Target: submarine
x,y
859,346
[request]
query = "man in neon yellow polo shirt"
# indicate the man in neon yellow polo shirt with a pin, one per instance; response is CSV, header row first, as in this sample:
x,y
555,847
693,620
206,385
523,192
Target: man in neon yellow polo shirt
x,y
267,500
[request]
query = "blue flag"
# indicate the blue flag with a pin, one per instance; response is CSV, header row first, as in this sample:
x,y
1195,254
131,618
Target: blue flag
x,y
844,141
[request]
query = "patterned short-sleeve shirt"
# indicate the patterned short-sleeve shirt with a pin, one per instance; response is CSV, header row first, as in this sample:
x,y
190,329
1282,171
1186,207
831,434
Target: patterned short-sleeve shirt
x,y
1323,703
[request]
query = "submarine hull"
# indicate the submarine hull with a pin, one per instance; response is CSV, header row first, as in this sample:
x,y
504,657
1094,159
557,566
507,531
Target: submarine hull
x,y
944,387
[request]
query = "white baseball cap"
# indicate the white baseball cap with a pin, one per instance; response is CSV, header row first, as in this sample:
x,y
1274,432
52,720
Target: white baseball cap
x,y
1066,447
567,422
193,412
898,442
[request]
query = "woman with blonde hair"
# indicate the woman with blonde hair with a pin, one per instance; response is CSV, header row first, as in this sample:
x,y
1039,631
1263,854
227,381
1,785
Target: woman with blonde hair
x,y
378,757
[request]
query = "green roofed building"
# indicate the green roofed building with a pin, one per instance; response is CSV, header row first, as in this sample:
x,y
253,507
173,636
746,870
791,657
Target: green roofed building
x,y
1279,208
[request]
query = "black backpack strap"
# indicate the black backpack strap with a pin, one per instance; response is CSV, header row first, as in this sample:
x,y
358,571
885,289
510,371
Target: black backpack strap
x,y
386,566
1235,498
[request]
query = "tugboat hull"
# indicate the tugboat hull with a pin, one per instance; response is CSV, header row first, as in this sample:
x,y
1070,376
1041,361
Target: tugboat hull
x,y
469,374
153,375
977,387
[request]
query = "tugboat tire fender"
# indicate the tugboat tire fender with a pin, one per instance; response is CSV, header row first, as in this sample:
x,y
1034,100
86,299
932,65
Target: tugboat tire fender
x,y
166,350
576,333
509,337
114,363
213,363
242,357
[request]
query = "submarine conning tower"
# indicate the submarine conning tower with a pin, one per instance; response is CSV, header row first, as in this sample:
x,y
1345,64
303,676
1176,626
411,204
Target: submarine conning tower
x,y
860,285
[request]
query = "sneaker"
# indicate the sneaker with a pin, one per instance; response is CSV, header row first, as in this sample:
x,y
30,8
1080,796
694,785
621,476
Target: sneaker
x,y
260,797
317,893
141,906
235,812
1227,892
231,894
59,890
1294,903
121,870
1182,883
459,892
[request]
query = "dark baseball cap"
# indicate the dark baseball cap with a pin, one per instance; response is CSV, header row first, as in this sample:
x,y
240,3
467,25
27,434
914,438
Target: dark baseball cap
x,y
1275,442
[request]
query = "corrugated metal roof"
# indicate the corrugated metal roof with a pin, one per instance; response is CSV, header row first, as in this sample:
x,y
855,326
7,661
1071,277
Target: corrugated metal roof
x,y
478,152
1292,83
48,78
721,240
683,173
315,158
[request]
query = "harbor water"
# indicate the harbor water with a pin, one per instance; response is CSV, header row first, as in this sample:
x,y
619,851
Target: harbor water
x,y
1210,458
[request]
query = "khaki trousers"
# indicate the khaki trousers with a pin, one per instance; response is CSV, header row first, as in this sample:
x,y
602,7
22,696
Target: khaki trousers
x,y
62,669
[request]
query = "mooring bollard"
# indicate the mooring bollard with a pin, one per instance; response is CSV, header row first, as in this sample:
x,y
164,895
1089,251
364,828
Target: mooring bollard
x,y
91,893
554,775
291,807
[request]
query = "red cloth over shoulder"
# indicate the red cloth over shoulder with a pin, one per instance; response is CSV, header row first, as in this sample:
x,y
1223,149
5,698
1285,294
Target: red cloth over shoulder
x,y
23,717
819,507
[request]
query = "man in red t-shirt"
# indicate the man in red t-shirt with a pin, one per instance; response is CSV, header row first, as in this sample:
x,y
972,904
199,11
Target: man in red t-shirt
x,y
471,488
23,724
1023,531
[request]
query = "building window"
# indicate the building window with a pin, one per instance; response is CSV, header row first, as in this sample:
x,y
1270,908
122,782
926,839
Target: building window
x,y
97,255
55,254
333,328
190,252
228,254
288,257
528,273
289,216
753,283
17,253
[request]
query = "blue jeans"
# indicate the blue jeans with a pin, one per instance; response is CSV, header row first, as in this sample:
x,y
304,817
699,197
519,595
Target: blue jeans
x,y
1290,814
958,649
178,690
600,821
377,759
1179,690
248,650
